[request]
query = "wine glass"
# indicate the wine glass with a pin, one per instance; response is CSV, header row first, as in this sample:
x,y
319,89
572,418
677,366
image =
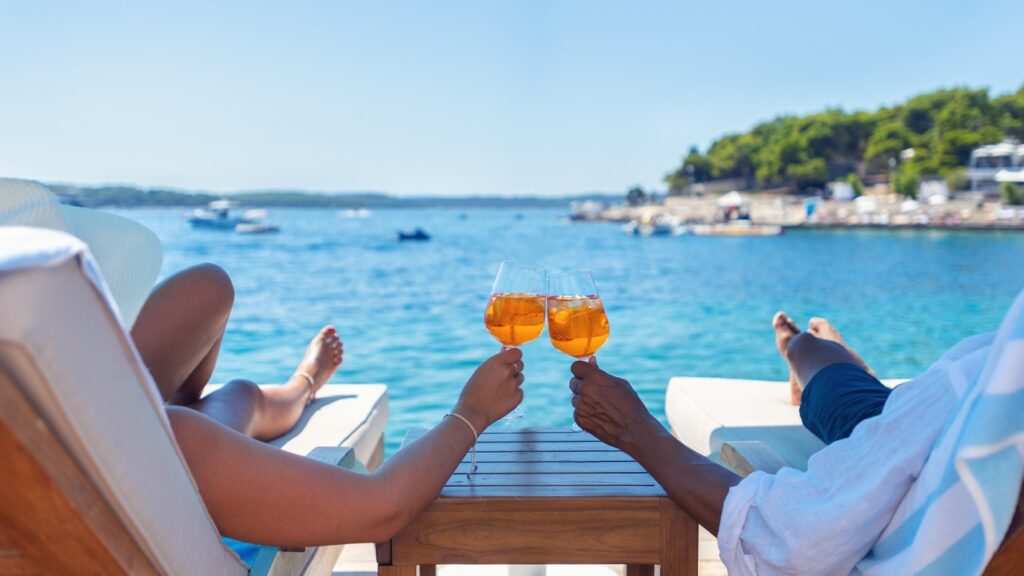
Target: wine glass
x,y
515,310
577,323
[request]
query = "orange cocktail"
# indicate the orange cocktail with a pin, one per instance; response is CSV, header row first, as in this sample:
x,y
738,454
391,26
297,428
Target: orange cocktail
x,y
514,319
577,325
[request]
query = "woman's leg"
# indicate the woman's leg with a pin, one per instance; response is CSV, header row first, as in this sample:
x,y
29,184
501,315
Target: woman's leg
x,y
178,334
179,330
266,413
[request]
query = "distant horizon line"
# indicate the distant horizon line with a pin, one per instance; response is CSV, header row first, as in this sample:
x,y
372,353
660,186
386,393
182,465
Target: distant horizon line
x,y
328,193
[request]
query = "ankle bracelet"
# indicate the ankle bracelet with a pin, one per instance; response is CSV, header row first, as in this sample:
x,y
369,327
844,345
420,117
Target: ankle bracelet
x,y
312,386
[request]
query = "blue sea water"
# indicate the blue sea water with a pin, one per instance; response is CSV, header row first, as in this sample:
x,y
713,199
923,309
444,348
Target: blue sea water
x,y
411,314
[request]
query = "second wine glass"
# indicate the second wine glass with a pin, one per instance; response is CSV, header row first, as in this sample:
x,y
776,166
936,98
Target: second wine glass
x,y
577,323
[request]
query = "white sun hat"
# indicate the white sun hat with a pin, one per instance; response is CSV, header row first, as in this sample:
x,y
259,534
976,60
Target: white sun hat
x,y
129,255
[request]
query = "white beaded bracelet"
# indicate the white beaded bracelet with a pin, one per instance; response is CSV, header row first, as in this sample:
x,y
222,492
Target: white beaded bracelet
x,y
476,436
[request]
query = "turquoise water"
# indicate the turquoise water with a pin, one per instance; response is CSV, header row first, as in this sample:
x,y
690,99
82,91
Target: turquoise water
x,y
411,313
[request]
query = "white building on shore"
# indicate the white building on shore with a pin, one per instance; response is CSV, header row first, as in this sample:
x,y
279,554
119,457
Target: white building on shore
x,y
994,164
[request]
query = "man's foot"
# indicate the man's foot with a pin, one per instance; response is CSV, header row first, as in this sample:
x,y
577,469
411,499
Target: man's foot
x,y
826,331
323,356
785,330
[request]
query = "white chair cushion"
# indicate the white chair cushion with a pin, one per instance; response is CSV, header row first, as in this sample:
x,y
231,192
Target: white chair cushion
x,y
705,413
349,415
62,341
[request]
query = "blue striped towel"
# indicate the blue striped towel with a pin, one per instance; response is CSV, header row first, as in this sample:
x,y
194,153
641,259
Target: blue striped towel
x,y
957,512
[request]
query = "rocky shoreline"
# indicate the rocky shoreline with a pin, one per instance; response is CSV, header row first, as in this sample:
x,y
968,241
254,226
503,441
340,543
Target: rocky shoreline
x,y
883,211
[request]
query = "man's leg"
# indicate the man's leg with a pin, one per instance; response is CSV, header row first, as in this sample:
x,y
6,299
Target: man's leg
x,y
810,356
837,390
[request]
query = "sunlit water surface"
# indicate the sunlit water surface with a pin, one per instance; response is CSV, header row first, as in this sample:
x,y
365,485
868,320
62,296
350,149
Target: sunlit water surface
x,y
411,314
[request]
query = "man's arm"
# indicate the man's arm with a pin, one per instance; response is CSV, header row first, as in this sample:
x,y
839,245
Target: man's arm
x,y
610,409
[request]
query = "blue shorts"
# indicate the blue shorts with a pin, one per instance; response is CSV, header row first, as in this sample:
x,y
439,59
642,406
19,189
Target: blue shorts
x,y
838,398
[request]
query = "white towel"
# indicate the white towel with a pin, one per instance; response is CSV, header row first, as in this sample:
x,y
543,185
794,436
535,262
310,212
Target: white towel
x,y
958,511
24,247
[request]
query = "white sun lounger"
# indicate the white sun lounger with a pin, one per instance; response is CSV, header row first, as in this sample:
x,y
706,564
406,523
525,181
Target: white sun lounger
x,y
714,416
93,481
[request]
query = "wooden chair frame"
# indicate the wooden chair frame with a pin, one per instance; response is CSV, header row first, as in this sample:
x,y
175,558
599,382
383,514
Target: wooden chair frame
x,y
54,520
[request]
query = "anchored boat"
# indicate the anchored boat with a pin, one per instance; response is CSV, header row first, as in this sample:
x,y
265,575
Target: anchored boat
x,y
218,216
736,228
417,235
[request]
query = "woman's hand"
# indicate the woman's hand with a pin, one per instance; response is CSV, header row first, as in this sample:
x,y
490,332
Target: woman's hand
x,y
493,390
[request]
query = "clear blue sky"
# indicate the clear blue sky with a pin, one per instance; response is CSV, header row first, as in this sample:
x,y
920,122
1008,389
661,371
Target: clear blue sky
x,y
528,97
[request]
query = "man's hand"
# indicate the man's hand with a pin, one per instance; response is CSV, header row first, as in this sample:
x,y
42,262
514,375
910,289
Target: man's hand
x,y
608,407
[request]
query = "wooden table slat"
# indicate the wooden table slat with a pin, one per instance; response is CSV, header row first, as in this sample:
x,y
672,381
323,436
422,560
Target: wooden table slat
x,y
514,480
579,457
540,435
551,467
560,447
554,492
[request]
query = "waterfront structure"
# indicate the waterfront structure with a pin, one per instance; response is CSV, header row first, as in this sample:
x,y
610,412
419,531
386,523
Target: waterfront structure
x,y
993,164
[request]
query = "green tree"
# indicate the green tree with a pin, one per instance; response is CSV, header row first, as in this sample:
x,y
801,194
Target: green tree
x,y
1009,109
803,151
854,181
887,141
636,196
905,182
1011,194
956,179
695,167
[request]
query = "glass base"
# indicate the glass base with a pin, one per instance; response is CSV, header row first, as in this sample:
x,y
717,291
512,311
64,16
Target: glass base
x,y
514,417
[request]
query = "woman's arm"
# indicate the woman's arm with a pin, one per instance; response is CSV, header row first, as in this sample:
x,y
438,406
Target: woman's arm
x,y
260,494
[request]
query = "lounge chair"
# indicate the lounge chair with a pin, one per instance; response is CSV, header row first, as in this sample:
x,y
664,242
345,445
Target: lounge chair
x,y
93,481
749,425
707,413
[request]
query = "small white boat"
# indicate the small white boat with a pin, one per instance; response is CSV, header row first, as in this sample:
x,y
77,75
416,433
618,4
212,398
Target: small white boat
x,y
356,213
217,215
587,210
252,223
736,228
660,225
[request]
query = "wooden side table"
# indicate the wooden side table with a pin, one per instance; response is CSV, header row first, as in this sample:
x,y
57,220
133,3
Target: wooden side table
x,y
546,497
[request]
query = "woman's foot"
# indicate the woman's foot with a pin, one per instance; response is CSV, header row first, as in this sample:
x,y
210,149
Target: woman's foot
x,y
826,331
785,330
324,356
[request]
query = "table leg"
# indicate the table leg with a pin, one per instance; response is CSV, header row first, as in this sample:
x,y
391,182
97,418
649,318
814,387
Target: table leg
x,y
678,541
396,570
639,570
428,570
